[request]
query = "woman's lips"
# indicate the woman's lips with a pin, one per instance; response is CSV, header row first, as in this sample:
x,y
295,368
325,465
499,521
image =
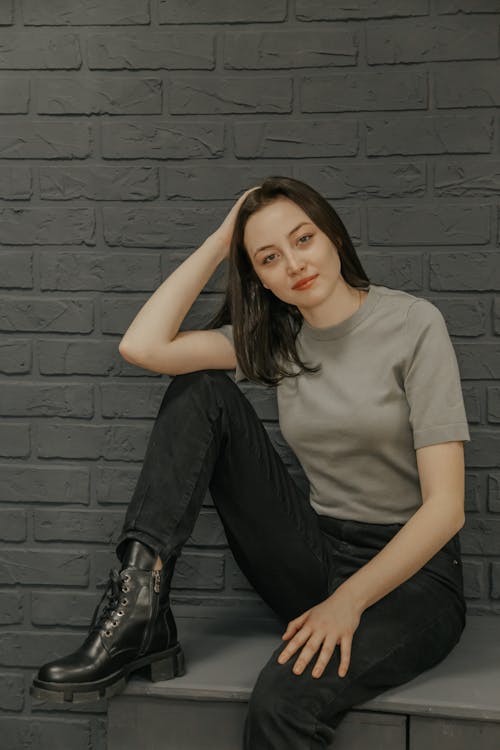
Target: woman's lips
x,y
307,284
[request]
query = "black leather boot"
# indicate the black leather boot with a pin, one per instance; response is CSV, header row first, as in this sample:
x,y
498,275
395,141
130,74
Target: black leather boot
x,y
134,632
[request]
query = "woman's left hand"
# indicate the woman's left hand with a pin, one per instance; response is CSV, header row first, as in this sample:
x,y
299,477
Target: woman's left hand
x,y
333,620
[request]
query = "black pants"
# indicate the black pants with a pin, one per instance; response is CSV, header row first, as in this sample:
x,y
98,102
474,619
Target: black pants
x,y
207,435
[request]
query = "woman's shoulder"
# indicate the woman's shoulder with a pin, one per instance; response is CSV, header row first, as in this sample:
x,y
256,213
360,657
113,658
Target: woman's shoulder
x,y
412,307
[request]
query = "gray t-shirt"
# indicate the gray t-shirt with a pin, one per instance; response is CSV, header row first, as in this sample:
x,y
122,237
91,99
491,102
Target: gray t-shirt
x,y
389,384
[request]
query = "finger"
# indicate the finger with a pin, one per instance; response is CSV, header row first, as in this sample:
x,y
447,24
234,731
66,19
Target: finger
x,y
297,641
345,652
324,657
295,624
307,653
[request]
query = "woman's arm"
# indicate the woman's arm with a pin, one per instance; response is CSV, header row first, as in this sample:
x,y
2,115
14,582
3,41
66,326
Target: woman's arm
x,y
159,319
441,472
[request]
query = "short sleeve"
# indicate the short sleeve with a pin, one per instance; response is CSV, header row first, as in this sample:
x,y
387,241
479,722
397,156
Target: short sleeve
x,y
432,378
227,331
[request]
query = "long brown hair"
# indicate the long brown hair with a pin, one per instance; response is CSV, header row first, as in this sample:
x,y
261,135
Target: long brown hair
x,y
264,327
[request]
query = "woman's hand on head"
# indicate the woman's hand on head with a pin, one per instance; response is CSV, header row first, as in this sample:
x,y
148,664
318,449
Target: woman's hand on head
x,y
320,628
225,232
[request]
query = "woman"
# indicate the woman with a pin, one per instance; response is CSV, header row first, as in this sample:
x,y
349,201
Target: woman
x,y
364,570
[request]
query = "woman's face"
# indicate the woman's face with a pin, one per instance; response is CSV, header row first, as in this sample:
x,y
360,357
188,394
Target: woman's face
x,y
294,249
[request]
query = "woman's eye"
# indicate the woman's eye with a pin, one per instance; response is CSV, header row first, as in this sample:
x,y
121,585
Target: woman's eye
x,y
304,237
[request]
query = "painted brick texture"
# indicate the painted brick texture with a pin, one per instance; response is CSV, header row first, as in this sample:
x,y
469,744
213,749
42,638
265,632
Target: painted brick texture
x,y
127,131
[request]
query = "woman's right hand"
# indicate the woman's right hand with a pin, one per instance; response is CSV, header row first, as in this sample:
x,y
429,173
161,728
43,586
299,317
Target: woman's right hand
x,y
225,232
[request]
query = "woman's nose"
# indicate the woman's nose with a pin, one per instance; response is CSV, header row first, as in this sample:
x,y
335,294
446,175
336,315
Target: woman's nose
x,y
294,264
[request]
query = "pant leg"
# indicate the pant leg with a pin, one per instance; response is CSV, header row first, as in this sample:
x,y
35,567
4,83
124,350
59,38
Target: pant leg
x,y
408,631
208,435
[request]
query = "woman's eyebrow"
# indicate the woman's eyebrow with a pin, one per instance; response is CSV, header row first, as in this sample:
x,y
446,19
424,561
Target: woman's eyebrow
x,y
264,247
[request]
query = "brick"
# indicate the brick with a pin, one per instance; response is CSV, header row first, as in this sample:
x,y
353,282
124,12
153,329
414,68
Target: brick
x,y
15,183
295,139
361,180
99,95
14,96
428,134
43,140
76,525
71,315
347,92
476,272
200,571
12,525
6,14
39,400
39,50
16,270
480,536
115,485
161,140
474,576
208,531
225,95
464,316
37,734
11,607
424,40
44,484
289,49
11,691
473,84
14,440
114,443
46,226
63,608
114,272
98,182
131,50
473,490
493,492
428,225
23,648
197,183
54,12
155,227
34,566
480,361
399,270
495,580
467,178
493,397
317,10
219,11
84,357
15,356
131,401
467,6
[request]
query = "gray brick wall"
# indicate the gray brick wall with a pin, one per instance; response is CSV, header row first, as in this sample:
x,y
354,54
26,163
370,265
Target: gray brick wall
x,y
127,131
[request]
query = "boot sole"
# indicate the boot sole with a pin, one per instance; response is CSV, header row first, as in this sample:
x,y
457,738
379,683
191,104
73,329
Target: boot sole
x,y
163,665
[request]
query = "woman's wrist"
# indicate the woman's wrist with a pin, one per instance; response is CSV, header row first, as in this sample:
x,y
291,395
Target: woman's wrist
x,y
217,246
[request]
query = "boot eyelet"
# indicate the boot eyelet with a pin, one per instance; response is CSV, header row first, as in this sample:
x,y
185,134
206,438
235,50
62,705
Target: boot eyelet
x,y
120,612
125,589
108,633
124,601
126,577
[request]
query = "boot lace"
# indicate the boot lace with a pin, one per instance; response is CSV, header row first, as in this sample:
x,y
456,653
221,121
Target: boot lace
x,y
117,583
